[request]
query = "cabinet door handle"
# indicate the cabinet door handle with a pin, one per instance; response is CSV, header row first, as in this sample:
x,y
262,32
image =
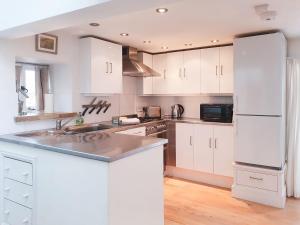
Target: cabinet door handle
x,y
191,140
221,70
216,70
184,75
209,144
256,178
106,67
111,68
164,74
180,72
215,143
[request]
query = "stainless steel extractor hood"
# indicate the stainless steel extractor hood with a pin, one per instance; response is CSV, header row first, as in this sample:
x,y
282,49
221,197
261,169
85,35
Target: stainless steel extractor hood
x,y
133,67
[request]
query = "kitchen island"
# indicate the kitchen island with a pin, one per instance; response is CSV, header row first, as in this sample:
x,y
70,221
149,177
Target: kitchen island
x,y
95,178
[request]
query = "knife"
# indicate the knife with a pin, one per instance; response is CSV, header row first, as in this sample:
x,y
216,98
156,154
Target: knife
x,y
86,108
107,106
101,107
98,105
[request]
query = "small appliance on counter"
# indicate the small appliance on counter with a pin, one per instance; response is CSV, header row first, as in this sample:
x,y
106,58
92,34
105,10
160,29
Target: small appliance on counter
x,y
221,113
152,112
177,111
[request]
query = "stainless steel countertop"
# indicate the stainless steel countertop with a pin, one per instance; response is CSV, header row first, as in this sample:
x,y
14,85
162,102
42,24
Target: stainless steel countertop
x,y
99,145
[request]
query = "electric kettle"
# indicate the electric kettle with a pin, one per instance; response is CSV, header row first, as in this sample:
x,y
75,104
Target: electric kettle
x,y
177,111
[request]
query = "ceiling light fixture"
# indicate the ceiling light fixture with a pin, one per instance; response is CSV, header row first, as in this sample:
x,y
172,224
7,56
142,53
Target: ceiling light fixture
x,y
94,24
124,34
162,10
147,42
164,47
190,44
214,41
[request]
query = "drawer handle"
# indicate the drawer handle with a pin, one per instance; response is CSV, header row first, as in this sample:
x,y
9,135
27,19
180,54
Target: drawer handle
x,y
7,169
7,189
26,196
256,178
25,221
26,174
7,212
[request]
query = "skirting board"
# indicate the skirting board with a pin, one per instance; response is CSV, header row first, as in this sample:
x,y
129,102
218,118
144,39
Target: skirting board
x,y
199,177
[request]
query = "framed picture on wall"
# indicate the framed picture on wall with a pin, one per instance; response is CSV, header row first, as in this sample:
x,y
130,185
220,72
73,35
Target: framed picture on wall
x,y
46,43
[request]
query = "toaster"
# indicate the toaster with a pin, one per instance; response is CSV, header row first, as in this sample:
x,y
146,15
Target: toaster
x,y
152,112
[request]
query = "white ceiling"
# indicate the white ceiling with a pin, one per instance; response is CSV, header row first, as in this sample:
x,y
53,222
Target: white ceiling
x,y
194,21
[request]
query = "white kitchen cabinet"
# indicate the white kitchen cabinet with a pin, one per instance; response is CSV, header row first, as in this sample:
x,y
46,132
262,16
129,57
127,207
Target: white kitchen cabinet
x,y
205,148
184,145
226,70
191,72
100,66
210,70
160,84
146,83
217,70
223,150
175,72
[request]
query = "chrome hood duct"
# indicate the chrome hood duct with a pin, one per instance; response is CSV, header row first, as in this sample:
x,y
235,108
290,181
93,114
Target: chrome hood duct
x,y
133,67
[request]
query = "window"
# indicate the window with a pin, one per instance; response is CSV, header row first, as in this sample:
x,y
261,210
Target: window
x,y
30,85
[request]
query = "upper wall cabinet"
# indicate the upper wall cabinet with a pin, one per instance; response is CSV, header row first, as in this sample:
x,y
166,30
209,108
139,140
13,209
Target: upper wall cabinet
x,y
100,66
217,70
160,84
180,73
146,83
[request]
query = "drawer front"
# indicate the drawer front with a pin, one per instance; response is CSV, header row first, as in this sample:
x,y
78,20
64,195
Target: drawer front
x,y
257,180
140,131
18,170
18,192
15,214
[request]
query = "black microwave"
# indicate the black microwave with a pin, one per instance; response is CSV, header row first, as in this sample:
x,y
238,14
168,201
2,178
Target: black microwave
x,y
216,112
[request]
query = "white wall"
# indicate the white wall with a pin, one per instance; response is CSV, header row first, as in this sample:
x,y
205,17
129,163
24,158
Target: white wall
x,y
64,68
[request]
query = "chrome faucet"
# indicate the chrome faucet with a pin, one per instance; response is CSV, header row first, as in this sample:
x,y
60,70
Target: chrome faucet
x,y
60,126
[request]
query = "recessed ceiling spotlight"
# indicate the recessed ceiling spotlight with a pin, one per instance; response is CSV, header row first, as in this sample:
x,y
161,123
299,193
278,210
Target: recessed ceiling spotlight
x,y
164,47
94,24
147,42
124,34
162,10
214,41
189,44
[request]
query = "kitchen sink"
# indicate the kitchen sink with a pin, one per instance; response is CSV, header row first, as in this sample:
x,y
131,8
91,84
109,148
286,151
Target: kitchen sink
x,y
84,129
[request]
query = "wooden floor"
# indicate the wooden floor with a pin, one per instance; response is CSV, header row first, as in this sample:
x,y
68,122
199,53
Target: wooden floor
x,y
187,203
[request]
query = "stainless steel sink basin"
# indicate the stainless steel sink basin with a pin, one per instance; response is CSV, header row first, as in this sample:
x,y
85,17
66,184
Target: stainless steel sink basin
x,y
78,130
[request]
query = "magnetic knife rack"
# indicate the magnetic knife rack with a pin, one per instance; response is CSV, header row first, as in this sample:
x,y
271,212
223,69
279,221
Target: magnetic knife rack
x,y
90,108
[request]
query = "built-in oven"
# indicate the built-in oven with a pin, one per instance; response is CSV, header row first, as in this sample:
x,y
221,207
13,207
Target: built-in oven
x,y
216,112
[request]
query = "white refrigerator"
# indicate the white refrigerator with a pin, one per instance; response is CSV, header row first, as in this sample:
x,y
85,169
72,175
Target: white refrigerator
x,y
259,100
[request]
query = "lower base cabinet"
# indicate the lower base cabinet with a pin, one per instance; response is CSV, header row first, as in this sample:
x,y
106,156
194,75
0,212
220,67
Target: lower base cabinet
x,y
205,148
